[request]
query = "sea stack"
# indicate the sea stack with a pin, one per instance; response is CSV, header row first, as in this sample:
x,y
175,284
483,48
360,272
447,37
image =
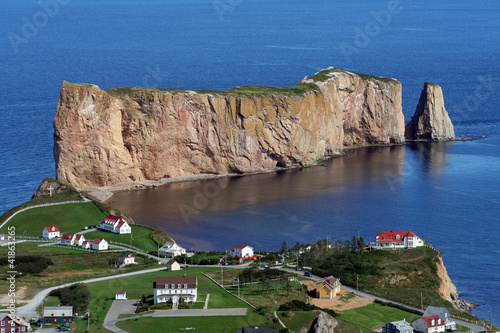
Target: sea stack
x,y
430,121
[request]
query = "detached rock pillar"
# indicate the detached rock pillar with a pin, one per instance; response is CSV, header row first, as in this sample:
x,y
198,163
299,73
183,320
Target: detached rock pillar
x,y
430,121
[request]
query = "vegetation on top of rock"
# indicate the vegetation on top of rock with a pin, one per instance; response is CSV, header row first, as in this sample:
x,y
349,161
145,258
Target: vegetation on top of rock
x,y
297,305
248,91
326,74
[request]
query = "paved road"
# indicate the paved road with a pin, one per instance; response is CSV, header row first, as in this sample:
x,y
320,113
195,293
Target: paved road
x,y
29,310
473,327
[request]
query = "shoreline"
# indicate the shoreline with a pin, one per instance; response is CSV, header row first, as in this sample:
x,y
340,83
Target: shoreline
x,y
104,193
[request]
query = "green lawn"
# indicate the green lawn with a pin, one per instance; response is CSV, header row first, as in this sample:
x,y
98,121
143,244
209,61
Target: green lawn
x,y
202,324
69,218
140,237
298,319
375,315
137,286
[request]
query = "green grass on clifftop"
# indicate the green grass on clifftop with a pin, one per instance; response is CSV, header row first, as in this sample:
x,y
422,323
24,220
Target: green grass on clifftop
x,y
69,218
324,75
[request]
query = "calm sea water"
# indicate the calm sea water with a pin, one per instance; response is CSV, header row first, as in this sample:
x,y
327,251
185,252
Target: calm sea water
x,y
447,193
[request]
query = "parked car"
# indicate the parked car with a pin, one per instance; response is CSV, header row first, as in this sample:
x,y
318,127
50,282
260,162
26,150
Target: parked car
x,y
85,228
307,274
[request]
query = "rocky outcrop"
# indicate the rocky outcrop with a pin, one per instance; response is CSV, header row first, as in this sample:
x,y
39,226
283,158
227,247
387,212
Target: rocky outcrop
x,y
126,135
430,121
50,186
324,323
448,290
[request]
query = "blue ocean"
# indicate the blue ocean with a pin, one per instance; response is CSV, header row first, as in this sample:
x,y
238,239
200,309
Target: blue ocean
x,y
447,193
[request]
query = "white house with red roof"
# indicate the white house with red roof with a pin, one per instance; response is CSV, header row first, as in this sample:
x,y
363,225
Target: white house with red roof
x,y
68,239
121,294
172,288
78,240
86,245
242,252
115,224
51,232
430,324
99,244
398,240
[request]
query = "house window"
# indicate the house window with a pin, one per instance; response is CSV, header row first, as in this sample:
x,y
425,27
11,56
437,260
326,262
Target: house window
x,y
173,285
3,323
13,330
185,285
3,329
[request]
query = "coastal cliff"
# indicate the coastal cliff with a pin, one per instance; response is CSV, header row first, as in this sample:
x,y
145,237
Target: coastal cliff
x,y
126,135
431,120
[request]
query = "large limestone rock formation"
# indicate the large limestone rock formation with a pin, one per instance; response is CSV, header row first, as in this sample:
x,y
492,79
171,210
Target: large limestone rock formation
x,y
127,135
430,121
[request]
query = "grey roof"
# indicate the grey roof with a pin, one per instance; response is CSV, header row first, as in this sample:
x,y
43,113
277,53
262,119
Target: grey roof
x,y
438,311
58,311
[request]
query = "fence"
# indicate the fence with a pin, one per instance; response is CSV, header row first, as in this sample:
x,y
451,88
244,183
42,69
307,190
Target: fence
x,y
41,205
238,297
128,246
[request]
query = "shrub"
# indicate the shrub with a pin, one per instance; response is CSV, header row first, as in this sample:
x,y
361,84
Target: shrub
x,y
77,295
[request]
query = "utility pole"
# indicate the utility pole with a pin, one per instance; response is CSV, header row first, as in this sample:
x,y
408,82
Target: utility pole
x,y
421,301
222,275
239,287
357,284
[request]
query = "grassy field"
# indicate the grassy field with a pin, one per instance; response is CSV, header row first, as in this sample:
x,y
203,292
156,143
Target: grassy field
x,y
69,218
140,237
70,265
295,320
201,324
137,286
375,315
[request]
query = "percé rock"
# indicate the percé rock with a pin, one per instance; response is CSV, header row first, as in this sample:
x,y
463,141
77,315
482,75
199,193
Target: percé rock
x,y
324,323
127,135
430,121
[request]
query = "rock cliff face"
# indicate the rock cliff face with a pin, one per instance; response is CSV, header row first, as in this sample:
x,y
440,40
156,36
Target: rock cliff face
x,y
324,323
430,121
125,135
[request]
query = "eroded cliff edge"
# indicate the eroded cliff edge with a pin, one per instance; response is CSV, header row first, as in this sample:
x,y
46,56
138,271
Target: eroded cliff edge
x,y
125,135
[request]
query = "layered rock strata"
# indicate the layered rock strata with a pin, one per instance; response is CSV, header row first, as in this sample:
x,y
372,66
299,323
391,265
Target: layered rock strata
x,y
126,135
431,120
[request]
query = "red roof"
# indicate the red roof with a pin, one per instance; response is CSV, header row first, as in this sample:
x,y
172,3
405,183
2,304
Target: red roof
x,y
391,236
78,237
113,218
241,247
66,236
97,241
428,321
119,225
52,229
120,292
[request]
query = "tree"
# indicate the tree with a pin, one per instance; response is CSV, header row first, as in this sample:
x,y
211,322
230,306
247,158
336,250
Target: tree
x,y
284,247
